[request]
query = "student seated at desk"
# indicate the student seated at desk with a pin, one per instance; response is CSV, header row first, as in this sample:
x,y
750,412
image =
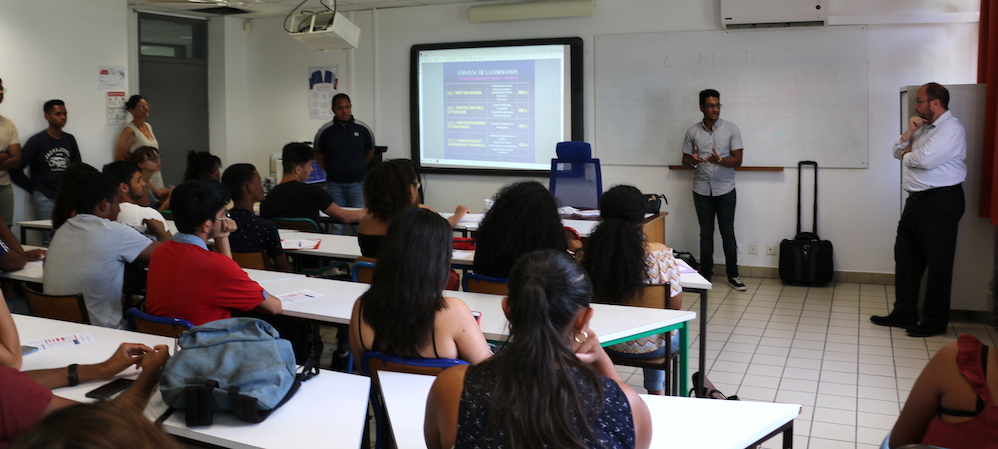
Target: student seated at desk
x,y
523,218
88,253
952,404
404,313
292,198
13,257
252,234
98,425
188,281
390,188
620,261
26,396
132,188
552,386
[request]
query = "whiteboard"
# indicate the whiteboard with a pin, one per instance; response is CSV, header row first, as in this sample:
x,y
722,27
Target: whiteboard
x,y
795,94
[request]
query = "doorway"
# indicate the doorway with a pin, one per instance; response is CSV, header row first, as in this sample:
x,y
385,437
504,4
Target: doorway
x,y
173,77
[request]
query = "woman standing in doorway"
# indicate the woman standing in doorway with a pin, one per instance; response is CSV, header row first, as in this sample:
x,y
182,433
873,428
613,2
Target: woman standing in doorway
x,y
137,134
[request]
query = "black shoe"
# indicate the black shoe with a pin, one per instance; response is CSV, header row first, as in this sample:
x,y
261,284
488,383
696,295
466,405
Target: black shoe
x,y
339,362
924,330
737,284
887,320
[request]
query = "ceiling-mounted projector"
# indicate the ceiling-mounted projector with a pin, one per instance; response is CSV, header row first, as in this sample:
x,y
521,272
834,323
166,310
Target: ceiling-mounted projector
x,y
321,32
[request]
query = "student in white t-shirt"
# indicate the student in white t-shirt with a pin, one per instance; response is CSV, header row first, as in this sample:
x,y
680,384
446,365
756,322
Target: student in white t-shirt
x,y
131,186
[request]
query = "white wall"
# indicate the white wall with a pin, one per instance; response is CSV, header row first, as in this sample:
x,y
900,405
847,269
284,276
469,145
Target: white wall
x,y
47,55
859,207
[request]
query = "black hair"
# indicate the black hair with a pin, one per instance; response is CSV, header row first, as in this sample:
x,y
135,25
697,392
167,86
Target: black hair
x,y
937,91
99,425
536,402
141,154
133,101
409,278
237,176
51,104
121,171
338,97
296,154
200,165
195,202
388,188
68,184
707,93
91,188
615,251
523,218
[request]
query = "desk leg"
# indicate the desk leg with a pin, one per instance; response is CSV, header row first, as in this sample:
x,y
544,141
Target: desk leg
x,y
24,236
699,389
684,360
788,436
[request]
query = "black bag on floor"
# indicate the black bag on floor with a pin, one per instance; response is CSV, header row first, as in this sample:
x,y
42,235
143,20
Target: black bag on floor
x,y
806,259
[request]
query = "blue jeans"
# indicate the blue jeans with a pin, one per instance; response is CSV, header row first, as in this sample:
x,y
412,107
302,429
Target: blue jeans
x,y
348,194
43,211
723,207
654,378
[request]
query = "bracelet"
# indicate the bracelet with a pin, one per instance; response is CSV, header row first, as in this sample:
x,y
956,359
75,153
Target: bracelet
x,y
73,376
719,160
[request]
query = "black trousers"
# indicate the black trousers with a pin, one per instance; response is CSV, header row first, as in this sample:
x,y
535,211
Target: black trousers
x,y
927,238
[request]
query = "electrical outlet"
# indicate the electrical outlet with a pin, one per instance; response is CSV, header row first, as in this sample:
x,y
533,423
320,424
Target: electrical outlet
x,y
770,250
753,249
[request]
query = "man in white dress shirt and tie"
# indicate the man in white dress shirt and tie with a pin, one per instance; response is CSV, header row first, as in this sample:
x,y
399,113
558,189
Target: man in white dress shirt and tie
x,y
932,152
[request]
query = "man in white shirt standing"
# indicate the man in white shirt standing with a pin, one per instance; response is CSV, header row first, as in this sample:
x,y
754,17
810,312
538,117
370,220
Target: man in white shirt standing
x,y
10,158
131,187
932,152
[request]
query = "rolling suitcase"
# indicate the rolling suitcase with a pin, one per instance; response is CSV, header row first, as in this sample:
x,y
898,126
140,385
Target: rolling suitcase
x,y
806,259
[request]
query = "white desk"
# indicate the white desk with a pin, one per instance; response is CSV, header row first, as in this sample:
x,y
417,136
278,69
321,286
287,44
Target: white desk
x,y
613,324
46,225
676,421
330,405
32,272
262,276
345,247
583,227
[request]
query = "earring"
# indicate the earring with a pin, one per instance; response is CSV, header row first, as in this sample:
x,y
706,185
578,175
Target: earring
x,y
585,337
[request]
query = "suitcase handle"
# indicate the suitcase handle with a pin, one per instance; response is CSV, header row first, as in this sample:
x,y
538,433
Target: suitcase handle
x,y
800,165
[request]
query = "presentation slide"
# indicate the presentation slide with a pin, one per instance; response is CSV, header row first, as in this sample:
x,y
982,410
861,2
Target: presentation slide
x,y
502,107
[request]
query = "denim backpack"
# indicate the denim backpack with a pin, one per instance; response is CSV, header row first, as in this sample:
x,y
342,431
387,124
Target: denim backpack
x,y
236,364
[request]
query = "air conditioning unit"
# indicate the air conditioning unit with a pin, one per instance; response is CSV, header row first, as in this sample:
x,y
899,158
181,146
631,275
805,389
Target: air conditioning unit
x,y
320,32
773,13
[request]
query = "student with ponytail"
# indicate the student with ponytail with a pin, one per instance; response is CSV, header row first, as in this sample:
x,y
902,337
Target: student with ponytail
x,y
553,385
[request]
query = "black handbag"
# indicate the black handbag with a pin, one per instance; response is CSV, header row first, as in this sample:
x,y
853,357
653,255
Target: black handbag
x,y
654,202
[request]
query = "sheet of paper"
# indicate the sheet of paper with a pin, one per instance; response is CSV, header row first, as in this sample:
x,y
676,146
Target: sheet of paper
x,y
462,254
471,218
58,342
300,244
588,213
299,296
684,268
567,210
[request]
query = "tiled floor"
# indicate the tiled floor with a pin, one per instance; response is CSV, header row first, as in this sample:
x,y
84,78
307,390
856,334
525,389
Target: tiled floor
x,y
815,347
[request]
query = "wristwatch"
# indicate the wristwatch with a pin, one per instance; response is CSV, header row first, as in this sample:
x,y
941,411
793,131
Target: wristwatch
x,y
73,375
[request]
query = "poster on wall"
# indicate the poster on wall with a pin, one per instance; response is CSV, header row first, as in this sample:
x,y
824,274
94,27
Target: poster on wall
x,y
322,83
116,108
110,77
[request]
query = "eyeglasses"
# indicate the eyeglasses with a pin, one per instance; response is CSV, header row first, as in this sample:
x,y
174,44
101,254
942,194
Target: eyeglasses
x,y
226,217
417,184
917,101
153,159
712,106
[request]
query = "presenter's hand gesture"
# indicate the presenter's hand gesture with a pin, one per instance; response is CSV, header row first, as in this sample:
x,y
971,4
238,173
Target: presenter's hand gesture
x,y
696,154
713,156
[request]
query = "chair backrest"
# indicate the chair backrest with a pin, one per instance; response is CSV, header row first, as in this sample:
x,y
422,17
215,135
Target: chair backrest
x,y
655,296
576,178
480,283
258,260
59,307
297,223
156,325
363,270
373,361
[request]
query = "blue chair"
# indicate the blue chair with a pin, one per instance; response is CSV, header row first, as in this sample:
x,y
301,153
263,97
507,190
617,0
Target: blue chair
x,y
576,178
373,361
362,270
480,283
297,223
158,325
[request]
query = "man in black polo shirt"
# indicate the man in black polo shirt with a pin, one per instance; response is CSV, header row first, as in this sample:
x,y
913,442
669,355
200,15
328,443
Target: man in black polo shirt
x,y
293,198
343,148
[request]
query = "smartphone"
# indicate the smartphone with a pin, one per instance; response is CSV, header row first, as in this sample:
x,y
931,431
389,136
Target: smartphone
x,y
25,349
109,389
478,316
